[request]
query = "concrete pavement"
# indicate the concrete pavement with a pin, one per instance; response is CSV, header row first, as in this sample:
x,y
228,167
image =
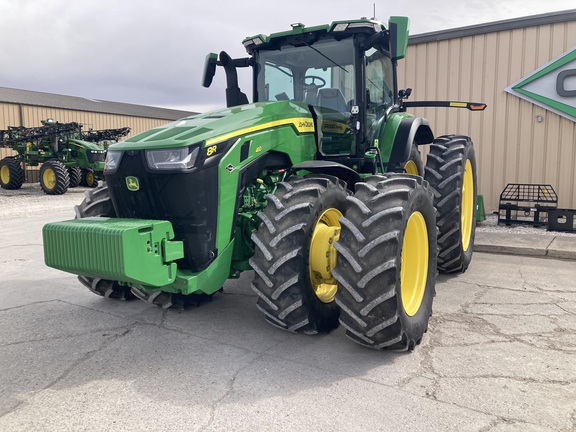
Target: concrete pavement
x,y
498,356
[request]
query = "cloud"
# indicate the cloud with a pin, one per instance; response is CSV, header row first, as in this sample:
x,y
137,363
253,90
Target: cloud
x,y
152,52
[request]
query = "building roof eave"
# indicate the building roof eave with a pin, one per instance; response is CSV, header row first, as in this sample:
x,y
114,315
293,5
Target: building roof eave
x,y
497,26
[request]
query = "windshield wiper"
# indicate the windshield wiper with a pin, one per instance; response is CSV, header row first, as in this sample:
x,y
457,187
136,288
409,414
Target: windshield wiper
x,y
278,67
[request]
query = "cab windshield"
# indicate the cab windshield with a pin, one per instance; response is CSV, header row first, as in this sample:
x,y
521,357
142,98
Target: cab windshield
x,y
321,74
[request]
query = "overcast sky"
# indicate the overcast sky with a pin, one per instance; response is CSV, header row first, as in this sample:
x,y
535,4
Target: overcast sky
x,y
152,52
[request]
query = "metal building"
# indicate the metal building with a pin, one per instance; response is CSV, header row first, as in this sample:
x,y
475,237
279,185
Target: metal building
x,y
525,70
29,108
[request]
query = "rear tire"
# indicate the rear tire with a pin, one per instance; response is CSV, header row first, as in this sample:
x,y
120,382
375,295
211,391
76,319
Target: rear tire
x,y
387,262
97,203
451,172
54,178
75,175
11,173
301,218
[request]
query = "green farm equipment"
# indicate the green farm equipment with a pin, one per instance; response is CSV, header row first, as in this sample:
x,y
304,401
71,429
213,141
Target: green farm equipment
x,y
317,186
67,155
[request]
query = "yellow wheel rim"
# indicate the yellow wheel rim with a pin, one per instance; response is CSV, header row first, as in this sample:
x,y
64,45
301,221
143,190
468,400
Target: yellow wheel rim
x,y
467,209
323,255
5,174
411,167
89,178
414,270
49,178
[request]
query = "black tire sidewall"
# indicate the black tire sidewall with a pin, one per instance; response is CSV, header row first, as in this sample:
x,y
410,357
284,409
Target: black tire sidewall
x,y
97,203
15,173
75,175
4,162
311,315
416,157
414,326
441,167
369,266
91,179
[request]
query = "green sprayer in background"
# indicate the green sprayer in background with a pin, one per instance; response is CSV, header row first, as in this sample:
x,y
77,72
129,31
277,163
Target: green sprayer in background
x,y
67,155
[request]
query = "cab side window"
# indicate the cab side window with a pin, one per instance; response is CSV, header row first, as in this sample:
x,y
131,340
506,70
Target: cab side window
x,y
379,84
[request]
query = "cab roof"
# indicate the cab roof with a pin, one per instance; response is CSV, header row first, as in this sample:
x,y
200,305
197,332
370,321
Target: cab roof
x,y
349,26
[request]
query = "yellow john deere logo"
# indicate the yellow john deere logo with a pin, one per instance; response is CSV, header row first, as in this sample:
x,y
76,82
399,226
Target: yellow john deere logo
x,y
132,183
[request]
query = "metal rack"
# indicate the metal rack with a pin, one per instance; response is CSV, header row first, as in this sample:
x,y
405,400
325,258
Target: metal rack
x,y
526,204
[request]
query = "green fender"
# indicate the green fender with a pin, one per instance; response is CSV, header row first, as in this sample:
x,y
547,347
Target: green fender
x,y
395,136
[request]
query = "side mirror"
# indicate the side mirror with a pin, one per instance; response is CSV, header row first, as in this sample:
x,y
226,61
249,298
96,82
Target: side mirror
x,y
399,28
209,69
405,93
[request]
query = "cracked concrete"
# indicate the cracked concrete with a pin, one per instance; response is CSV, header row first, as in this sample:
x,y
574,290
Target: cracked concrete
x,y
499,356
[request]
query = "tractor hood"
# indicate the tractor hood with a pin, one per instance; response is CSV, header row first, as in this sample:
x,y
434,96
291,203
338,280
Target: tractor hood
x,y
85,144
220,125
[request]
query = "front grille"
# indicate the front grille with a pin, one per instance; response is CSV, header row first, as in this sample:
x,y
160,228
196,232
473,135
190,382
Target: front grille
x,y
96,157
189,200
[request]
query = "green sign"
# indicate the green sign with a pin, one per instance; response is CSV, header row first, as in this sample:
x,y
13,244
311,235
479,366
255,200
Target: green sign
x,y
553,86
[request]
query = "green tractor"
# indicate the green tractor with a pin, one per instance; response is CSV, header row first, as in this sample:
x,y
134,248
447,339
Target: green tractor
x,y
317,186
67,156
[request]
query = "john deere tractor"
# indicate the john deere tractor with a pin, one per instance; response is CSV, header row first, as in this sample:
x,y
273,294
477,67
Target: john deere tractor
x,y
317,186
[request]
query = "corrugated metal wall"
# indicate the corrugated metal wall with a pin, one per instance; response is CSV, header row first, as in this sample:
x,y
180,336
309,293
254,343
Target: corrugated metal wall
x,y
511,146
31,116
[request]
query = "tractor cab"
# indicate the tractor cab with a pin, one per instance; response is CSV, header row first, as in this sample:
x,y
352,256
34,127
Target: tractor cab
x,y
344,72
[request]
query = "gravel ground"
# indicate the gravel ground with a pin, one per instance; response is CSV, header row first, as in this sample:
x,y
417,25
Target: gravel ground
x,y
491,225
30,200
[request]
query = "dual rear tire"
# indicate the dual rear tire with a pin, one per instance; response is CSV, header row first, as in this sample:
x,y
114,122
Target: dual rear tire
x,y
369,260
387,262
381,286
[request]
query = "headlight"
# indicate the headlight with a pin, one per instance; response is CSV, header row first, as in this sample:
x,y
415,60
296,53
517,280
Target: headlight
x,y
171,159
113,161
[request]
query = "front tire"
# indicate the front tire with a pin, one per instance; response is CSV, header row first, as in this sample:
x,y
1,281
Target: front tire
x,y
88,178
295,254
387,262
54,178
97,203
451,172
11,173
